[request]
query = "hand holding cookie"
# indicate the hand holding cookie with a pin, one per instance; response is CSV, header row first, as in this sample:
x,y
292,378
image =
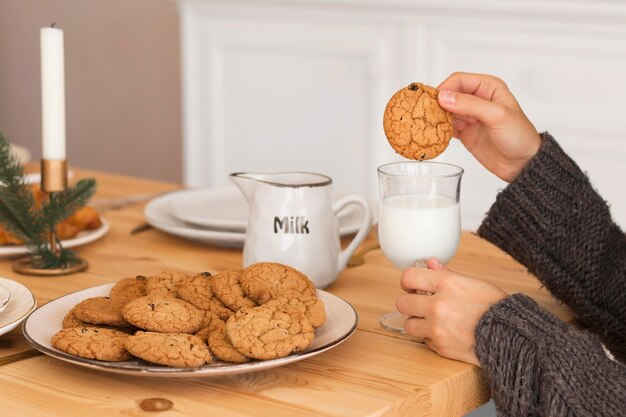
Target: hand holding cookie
x,y
490,122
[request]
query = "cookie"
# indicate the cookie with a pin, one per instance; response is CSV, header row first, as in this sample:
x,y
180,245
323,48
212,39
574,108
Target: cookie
x,y
128,289
223,349
197,291
416,126
312,307
170,349
266,281
269,331
227,288
165,283
163,314
92,343
70,320
210,323
101,310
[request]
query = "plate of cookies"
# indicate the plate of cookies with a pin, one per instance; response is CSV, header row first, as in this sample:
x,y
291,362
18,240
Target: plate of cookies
x,y
193,325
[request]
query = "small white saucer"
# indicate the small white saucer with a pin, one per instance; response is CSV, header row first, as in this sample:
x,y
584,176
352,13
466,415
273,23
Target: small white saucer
x,y
21,305
5,297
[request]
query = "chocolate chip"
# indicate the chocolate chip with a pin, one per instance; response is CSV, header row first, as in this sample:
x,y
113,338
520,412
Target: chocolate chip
x,y
152,306
414,87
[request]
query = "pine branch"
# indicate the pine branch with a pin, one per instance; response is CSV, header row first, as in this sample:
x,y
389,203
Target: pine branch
x,y
61,205
36,226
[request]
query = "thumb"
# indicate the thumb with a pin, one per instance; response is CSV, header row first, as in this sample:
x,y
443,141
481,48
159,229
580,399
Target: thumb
x,y
434,264
465,105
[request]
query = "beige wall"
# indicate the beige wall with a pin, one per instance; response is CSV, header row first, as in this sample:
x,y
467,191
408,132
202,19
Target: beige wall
x,y
122,72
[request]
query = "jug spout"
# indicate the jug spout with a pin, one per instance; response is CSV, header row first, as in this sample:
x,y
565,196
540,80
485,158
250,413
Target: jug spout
x,y
245,182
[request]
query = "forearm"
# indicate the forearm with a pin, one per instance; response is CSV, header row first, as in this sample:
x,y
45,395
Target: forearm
x,y
539,366
552,220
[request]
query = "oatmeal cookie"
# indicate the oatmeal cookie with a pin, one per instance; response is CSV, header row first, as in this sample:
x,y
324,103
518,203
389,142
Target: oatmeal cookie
x,y
101,310
223,349
211,323
266,281
170,349
70,320
165,283
416,126
163,314
92,343
128,289
227,288
269,331
197,291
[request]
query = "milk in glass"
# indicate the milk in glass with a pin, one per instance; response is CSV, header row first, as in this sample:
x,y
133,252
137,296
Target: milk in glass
x,y
414,227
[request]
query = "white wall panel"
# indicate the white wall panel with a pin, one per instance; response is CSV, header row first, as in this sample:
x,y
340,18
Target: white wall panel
x,y
282,85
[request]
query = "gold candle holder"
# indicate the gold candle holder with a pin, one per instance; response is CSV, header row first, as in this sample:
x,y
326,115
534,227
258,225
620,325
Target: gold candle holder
x,y
53,180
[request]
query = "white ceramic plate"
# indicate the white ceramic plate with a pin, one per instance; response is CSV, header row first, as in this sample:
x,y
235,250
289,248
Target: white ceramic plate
x,y
5,297
158,213
82,238
44,322
221,208
21,305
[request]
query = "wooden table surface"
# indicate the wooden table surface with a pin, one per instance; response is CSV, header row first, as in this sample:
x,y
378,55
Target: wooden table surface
x,y
373,373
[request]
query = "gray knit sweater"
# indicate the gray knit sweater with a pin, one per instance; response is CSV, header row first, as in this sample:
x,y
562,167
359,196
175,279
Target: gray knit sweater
x,y
551,220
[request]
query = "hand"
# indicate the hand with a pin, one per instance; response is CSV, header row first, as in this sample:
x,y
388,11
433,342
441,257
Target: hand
x,y
446,319
490,122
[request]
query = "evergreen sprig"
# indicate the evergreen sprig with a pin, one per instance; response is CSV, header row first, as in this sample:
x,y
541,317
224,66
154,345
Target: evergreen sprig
x,y
35,226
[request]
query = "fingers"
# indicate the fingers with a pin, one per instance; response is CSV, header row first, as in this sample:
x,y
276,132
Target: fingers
x,y
466,106
481,85
433,263
414,305
418,279
415,326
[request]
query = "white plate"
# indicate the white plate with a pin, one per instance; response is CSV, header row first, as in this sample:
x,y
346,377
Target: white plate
x,y
44,322
221,208
158,214
5,297
82,238
21,305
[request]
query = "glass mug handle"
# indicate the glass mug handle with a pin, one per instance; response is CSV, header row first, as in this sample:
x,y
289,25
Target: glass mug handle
x,y
366,225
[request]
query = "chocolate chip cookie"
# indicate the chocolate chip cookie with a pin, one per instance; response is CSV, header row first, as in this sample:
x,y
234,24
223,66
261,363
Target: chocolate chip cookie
x,y
197,291
222,348
269,331
128,289
101,310
163,314
266,281
165,283
227,288
169,349
416,126
92,343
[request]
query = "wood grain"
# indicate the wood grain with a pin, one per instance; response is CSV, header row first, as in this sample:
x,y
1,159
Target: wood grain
x,y
374,373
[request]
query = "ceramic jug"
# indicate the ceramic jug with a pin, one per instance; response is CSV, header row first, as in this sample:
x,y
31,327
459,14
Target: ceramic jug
x,y
293,221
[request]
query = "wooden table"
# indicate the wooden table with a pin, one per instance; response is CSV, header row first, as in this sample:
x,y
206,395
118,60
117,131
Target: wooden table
x,y
374,373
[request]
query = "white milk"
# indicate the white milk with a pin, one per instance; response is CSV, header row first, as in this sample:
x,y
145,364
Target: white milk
x,y
415,227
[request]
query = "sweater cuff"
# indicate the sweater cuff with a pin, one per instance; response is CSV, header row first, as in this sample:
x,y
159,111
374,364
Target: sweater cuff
x,y
531,207
538,365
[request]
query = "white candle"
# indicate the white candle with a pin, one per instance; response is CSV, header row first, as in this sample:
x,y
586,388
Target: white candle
x,y
52,93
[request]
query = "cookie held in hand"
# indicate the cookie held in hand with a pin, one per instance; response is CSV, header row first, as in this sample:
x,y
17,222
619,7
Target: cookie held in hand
x,y
416,126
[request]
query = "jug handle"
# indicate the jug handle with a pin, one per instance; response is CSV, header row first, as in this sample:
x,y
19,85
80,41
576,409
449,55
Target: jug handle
x,y
366,226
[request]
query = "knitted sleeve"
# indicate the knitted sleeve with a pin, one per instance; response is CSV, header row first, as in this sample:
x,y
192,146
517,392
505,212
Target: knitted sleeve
x,y
539,366
552,220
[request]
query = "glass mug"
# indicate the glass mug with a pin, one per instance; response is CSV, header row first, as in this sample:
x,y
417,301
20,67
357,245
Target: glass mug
x,y
420,217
